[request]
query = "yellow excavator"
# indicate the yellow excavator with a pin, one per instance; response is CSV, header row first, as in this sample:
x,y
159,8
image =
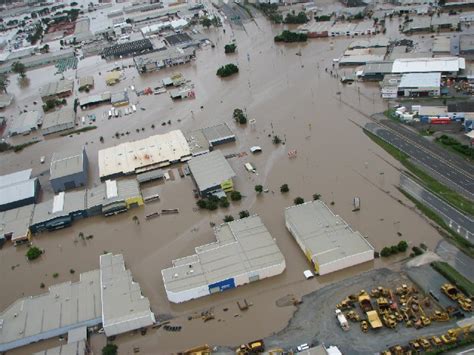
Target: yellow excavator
x,y
439,316
452,335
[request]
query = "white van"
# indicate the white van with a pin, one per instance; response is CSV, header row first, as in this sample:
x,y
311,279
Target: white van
x,y
250,168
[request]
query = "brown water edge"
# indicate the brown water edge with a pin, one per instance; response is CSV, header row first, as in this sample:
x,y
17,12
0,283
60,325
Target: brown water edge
x,y
288,95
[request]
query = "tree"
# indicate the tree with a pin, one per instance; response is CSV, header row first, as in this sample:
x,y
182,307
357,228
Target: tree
x,y
224,202
394,249
19,68
202,203
298,200
227,70
284,188
45,48
110,349
244,214
316,197
230,48
206,22
235,196
228,218
417,251
402,246
259,188
276,140
239,116
212,205
3,83
385,252
33,253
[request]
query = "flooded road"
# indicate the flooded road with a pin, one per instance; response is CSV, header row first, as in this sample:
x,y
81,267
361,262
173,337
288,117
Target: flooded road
x,y
288,95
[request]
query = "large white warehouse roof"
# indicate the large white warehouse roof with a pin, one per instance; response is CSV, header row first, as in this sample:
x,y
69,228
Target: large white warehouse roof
x,y
244,252
152,152
428,65
325,238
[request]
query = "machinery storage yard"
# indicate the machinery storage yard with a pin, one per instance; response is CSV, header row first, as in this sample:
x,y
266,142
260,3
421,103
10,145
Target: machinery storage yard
x,y
262,210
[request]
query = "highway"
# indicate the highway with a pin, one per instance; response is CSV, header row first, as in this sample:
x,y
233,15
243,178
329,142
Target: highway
x,y
438,166
456,220
457,259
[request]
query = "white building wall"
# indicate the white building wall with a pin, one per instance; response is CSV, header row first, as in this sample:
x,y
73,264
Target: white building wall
x,y
127,325
297,238
187,295
346,262
241,279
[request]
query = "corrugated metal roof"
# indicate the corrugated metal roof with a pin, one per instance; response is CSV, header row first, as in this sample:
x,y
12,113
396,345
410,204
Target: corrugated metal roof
x,y
57,87
210,170
17,192
327,236
420,80
425,65
25,122
66,163
217,133
57,118
16,221
242,247
15,177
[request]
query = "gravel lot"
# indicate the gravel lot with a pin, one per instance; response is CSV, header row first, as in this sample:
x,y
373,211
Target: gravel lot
x,y
314,321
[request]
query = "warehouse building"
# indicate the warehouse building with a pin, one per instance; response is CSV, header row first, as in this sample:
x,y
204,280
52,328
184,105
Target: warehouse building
x,y
18,189
58,121
113,197
198,143
113,77
161,59
67,306
25,123
75,348
212,173
203,140
124,308
59,212
56,90
325,238
143,155
15,224
244,252
420,85
5,100
39,60
444,65
106,296
119,99
68,170
127,49
95,100
466,46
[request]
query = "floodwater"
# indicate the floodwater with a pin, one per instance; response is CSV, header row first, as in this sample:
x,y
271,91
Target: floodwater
x,y
288,95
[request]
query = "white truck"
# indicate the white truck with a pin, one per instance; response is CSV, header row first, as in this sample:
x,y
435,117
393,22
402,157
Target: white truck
x,y
342,320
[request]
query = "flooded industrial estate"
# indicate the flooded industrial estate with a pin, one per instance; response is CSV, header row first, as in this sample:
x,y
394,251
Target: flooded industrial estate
x,y
288,90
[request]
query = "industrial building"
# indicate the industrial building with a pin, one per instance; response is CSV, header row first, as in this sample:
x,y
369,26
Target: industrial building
x,y
244,252
124,308
420,84
326,239
127,49
5,100
39,60
58,121
25,123
74,348
376,70
444,65
59,212
212,173
113,77
113,197
204,140
68,170
179,39
466,46
146,154
18,189
106,296
58,89
86,83
120,98
94,100
15,224
161,59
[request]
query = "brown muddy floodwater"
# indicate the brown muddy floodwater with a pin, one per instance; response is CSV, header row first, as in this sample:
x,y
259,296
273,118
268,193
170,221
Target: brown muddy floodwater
x,y
288,95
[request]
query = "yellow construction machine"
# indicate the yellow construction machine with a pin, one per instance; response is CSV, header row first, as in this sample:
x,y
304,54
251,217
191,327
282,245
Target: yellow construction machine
x,y
364,326
253,347
439,316
452,335
425,344
465,303
451,291
436,340
198,350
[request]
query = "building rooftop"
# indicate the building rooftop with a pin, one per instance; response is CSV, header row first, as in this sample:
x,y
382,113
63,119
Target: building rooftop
x,y
160,56
442,44
127,48
426,65
86,81
178,38
218,133
16,222
57,87
198,143
25,122
145,154
62,204
91,99
17,186
323,233
466,42
420,80
58,118
76,348
63,307
5,100
373,42
378,67
242,247
16,177
124,308
66,163
210,170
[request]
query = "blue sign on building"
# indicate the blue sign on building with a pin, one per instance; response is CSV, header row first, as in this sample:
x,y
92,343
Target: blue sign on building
x,y
222,285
